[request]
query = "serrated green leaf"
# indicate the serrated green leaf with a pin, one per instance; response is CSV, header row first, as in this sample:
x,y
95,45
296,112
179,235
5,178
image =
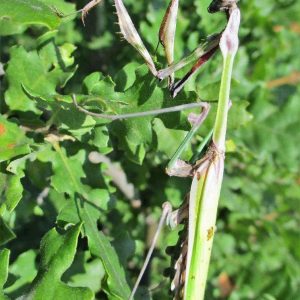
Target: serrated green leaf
x,y
88,212
17,15
57,253
69,119
134,135
99,245
169,139
276,132
31,70
24,270
125,78
70,169
6,234
238,115
100,139
85,270
13,141
13,191
4,262
12,185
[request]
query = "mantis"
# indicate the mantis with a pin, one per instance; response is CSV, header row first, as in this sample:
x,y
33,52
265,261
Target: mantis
x,y
199,211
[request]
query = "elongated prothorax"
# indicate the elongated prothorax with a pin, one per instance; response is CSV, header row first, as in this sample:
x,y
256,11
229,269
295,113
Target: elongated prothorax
x,y
229,45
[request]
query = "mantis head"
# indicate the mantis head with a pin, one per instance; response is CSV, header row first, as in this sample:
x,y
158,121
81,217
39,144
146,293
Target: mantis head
x,y
222,5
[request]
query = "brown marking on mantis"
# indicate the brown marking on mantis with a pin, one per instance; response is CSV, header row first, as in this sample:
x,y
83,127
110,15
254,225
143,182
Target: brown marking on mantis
x,y
210,233
163,24
167,34
201,61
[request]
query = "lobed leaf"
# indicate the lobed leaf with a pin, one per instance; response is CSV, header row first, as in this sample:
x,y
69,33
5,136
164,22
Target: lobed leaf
x,y
4,262
13,141
31,70
17,15
57,252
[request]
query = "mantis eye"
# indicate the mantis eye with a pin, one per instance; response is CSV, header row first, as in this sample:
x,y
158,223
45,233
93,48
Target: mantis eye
x,y
221,5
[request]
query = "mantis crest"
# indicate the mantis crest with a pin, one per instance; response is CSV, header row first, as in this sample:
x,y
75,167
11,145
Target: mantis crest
x,y
198,211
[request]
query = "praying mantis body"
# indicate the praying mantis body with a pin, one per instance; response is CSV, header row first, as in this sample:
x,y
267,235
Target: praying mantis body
x,y
200,210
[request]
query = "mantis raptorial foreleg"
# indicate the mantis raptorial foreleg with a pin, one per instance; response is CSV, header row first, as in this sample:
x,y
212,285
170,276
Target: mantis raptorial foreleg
x,y
200,55
204,48
128,30
167,38
167,34
87,8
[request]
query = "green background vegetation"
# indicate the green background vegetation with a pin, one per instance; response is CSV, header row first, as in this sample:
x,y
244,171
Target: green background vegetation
x,y
52,192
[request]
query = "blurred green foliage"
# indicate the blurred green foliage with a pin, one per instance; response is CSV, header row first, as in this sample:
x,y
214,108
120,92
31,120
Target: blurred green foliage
x,y
52,189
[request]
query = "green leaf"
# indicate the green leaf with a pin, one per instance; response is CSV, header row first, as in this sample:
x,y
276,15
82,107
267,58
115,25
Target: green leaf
x,y
68,174
11,184
69,168
4,262
125,78
6,234
36,72
134,135
99,245
169,139
238,115
276,131
57,253
209,92
13,141
86,270
100,139
68,118
67,179
24,270
17,15
14,191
